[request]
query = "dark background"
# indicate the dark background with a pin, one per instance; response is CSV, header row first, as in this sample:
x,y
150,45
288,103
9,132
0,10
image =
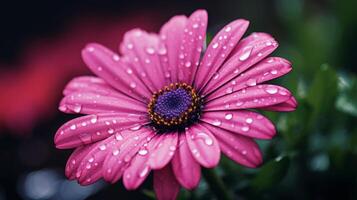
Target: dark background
x,y
314,155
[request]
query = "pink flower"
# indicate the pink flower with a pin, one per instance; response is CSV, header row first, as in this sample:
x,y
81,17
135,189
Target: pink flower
x,y
162,106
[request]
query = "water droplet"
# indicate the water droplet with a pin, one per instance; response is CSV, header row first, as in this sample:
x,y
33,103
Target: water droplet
x,y
130,46
215,45
268,43
271,90
115,152
94,119
188,64
150,50
90,49
215,75
236,71
246,53
99,68
260,54
102,147
136,127
110,131
147,61
216,122
244,152
133,85
228,116
228,29
129,71
245,128
77,108
116,57
251,82
143,152
195,26
239,103
119,137
73,127
273,71
229,90
144,172
62,108
162,51
249,120
91,159
207,139
283,92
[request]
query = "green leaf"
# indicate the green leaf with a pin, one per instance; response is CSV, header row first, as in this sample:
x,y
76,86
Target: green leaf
x,y
271,173
323,91
347,100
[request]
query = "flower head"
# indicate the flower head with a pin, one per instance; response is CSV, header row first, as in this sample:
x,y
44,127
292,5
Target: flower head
x,y
167,105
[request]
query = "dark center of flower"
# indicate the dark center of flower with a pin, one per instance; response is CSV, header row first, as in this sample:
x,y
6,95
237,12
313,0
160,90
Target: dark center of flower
x,y
174,107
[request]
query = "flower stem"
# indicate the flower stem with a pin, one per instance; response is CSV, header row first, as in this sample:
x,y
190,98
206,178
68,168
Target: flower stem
x,y
216,184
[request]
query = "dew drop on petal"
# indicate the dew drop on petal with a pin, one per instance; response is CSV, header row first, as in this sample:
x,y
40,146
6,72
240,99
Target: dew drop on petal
x,y
102,147
119,137
73,127
228,29
206,138
251,82
215,45
77,108
115,152
135,127
271,90
133,85
273,71
144,172
216,122
249,120
110,131
246,53
150,50
93,120
245,128
229,116
143,152
188,64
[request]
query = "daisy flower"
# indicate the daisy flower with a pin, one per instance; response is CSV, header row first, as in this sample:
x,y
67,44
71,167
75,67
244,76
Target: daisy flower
x,y
168,105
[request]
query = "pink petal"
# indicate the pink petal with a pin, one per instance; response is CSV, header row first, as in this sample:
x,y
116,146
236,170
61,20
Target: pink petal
x,y
219,49
171,34
115,71
239,148
191,46
165,184
137,172
162,152
252,97
248,52
267,69
75,160
142,51
89,84
128,144
93,103
90,168
185,167
287,106
203,145
243,122
91,128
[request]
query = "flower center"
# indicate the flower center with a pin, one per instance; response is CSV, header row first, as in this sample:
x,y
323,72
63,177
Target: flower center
x,y
174,107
